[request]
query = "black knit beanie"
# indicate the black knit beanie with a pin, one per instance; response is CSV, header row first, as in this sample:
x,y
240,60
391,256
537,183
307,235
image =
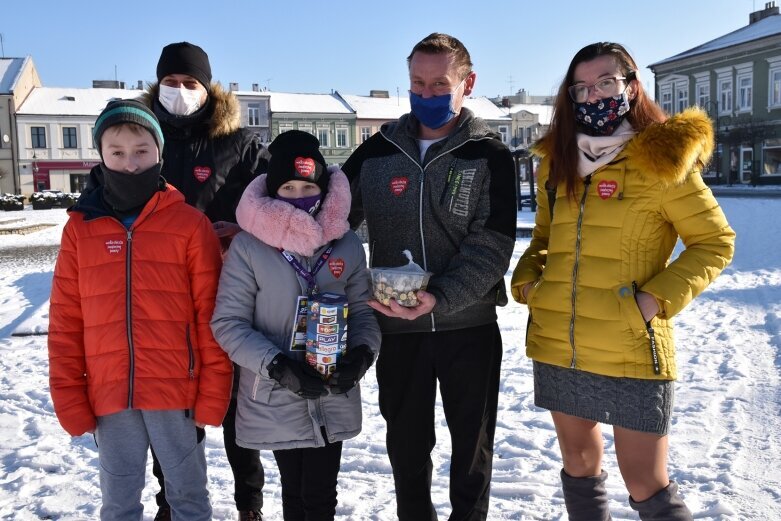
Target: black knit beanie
x,y
185,58
128,111
295,156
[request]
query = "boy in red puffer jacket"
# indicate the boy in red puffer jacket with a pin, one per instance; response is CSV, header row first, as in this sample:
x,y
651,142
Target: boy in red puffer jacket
x,y
131,356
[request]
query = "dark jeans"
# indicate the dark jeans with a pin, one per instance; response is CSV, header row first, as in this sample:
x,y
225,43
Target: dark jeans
x,y
466,363
308,478
245,463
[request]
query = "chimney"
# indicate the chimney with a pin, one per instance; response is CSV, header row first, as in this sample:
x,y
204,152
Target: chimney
x,y
255,87
233,86
769,10
140,85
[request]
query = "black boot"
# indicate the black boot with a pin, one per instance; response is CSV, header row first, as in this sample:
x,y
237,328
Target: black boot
x,y
586,498
665,505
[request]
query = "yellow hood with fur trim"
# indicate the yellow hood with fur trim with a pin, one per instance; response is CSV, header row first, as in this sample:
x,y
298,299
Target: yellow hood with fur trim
x,y
617,238
226,115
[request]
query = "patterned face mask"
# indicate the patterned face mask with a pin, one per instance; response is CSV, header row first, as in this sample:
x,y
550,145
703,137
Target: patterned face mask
x,y
603,116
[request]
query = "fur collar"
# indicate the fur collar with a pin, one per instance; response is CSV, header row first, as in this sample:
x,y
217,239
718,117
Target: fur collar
x,y
226,112
281,225
669,150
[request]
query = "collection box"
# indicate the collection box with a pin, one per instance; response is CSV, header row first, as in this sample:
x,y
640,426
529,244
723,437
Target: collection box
x,y
326,331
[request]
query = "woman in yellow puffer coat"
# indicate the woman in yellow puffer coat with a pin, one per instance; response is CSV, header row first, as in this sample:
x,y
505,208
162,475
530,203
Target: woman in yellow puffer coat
x,y
624,184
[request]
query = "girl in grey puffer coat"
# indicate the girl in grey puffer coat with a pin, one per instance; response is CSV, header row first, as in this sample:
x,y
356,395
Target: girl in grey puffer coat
x,y
283,403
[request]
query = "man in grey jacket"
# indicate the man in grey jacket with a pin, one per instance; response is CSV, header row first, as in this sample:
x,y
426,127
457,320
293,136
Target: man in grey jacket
x,y
440,184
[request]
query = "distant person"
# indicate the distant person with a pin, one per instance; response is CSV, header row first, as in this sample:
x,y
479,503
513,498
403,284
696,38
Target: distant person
x,y
211,160
297,245
440,184
132,358
625,185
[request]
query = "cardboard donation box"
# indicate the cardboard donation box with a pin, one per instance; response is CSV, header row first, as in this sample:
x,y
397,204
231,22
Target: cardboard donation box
x,y
326,331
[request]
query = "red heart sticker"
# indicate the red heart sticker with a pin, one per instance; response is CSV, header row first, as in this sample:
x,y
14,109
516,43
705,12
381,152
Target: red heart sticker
x,y
336,266
606,189
398,185
202,173
304,166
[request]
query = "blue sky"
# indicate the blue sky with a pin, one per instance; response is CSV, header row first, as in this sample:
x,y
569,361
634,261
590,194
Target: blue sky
x,y
352,46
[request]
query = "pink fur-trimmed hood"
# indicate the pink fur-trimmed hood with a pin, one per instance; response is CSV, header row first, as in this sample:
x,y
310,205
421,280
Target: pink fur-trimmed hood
x,y
282,225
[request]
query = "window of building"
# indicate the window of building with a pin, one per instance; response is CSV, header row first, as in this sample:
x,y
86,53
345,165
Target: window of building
x,y
774,80
504,132
38,137
341,138
253,115
78,182
667,100
92,136
284,127
69,137
703,95
681,97
744,93
323,135
771,157
366,133
725,96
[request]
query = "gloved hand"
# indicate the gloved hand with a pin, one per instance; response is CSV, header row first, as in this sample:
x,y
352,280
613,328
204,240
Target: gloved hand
x,y
298,377
351,369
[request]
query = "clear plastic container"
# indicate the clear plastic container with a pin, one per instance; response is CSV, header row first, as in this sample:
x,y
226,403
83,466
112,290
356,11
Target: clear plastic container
x,y
394,283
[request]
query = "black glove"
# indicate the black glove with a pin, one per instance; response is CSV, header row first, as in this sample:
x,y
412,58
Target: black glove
x,y
351,369
298,377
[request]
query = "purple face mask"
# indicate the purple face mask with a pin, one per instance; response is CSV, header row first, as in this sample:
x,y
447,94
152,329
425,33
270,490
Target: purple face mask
x,y
308,204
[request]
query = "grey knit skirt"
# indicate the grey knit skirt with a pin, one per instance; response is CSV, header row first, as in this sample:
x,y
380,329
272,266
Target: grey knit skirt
x,y
631,403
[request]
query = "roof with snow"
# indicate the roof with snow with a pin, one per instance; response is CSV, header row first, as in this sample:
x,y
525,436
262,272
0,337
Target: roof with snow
x,y
9,72
368,107
486,109
545,112
306,103
393,107
56,101
767,27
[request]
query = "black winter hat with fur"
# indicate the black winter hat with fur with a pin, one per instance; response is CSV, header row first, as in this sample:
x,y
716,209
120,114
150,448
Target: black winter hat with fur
x,y
295,156
185,58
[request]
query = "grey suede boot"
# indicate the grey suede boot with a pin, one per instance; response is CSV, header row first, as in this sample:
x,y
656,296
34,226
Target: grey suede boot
x,y
665,505
586,498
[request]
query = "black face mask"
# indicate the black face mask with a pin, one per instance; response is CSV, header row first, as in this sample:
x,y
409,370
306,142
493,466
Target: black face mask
x,y
125,192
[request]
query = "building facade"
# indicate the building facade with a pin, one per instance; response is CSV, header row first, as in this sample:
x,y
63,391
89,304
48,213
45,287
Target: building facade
x,y
54,128
737,79
18,77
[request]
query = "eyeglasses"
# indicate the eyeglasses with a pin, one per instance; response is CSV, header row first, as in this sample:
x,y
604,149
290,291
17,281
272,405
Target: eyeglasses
x,y
606,87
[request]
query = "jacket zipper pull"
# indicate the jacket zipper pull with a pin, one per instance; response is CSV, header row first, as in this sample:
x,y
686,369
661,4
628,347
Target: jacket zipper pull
x,y
651,336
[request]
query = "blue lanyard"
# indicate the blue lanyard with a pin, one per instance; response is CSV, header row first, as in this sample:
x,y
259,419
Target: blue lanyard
x,y
309,277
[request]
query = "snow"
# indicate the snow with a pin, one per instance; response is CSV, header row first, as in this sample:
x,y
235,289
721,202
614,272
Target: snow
x,y
9,73
59,101
725,439
765,28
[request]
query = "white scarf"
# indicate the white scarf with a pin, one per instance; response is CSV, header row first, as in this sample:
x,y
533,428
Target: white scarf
x,y
596,151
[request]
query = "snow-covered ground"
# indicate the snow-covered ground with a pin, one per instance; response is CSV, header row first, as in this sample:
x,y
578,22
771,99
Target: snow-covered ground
x,y
725,439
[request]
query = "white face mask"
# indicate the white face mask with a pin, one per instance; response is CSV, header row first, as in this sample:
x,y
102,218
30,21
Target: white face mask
x,y
181,101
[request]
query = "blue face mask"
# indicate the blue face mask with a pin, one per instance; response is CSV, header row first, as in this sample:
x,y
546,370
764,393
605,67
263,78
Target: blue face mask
x,y
434,112
603,116
308,204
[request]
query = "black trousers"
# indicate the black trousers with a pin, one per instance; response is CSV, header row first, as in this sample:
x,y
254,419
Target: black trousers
x,y
466,362
248,475
308,478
